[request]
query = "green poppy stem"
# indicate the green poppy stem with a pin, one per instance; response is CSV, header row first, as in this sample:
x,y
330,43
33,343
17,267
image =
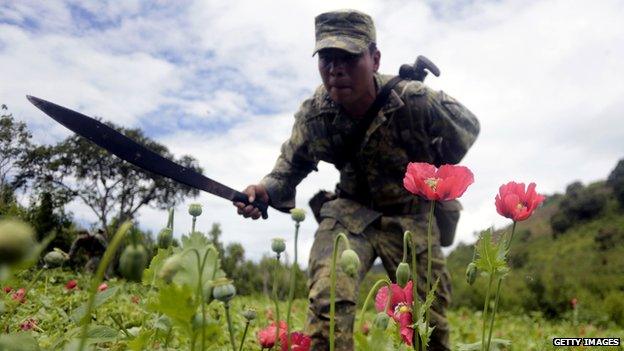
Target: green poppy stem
x,y
229,323
332,290
244,336
429,257
500,279
291,291
369,297
99,276
275,300
415,300
485,307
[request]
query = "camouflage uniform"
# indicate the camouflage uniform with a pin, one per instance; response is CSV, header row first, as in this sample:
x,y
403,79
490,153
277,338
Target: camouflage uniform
x,y
373,208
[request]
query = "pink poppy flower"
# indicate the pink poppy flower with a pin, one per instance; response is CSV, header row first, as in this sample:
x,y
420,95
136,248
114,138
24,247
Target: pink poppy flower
x,y
300,342
71,285
28,324
513,202
266,336
19,295
102,287
440,184
400,307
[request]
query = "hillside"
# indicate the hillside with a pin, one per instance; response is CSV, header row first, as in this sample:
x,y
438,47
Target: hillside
x,y
582,259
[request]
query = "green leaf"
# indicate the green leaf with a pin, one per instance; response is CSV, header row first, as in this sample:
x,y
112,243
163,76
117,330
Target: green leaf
x,y
151,273
197,246
491,255
377,340
176,302
18,342
141,341
100,298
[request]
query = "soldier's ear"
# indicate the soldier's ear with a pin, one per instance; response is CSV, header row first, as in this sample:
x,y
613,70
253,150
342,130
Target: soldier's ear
x,y
376,59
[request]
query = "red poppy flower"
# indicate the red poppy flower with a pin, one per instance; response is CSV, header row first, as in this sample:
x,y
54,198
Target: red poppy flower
x,y
7,289
300,341
102,287
512,201
71,285
400,308
19,295
266,336
28,324
441,184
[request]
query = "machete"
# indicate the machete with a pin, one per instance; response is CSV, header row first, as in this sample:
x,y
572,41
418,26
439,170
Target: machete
x,y
137,154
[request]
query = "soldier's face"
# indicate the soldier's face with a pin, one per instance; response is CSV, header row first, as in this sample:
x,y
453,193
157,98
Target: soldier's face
x,y
348,78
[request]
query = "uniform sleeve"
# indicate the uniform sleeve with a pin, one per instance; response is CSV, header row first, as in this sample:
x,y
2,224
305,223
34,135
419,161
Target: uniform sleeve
x,y
293,164
452,128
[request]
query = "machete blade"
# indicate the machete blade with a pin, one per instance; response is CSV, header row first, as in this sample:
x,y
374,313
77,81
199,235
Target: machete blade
x,y
137,154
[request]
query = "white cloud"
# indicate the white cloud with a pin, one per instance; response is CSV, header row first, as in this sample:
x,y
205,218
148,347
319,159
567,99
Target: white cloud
x,y
543,77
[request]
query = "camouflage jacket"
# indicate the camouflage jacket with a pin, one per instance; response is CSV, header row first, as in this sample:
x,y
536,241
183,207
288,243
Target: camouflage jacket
x,y
416,124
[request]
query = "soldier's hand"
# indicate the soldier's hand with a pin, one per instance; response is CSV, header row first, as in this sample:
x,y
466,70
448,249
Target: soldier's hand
x,y
253,192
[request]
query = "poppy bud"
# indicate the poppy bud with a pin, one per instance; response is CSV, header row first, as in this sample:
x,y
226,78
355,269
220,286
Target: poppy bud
x,y
195,210
223,290
350,262
278,245
170,267
54,258
250,314
471,273
165,237
297,214
381,321
403,274
132,262
16,241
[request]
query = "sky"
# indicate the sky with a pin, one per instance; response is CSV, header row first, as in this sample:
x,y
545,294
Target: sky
x,y
221,80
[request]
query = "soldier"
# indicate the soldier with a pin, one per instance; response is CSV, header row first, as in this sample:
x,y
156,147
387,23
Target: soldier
x,y
371,206
93,246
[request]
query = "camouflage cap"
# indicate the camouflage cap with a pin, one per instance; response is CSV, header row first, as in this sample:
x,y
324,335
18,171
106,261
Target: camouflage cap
x,y
349,30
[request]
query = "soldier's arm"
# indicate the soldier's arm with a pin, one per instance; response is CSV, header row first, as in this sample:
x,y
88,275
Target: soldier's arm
x,y
293,164
451,126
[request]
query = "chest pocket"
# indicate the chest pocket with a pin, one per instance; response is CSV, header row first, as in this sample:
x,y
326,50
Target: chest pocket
x,y
323,141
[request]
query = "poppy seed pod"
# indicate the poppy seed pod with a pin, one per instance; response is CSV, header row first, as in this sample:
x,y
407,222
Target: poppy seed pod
x,y
297,214
350,262
54,259
16,241
132,262
223,290
250,314
170,267
471,273
165,237
403,274
278,245
195,210
381,321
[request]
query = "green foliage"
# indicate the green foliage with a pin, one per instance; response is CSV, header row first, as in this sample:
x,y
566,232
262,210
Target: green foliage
x,y
490,254
579,204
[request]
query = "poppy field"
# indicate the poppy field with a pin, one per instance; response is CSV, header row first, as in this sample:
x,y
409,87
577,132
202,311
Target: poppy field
x,y
181,298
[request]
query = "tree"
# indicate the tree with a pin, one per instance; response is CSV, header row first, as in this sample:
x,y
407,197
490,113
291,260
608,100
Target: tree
x,y
14,147
112,188
214,235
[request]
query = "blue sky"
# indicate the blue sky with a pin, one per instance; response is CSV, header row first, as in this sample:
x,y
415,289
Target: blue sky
x,y
221,80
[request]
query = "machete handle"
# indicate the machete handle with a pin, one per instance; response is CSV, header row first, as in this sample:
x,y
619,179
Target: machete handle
x,y
262,206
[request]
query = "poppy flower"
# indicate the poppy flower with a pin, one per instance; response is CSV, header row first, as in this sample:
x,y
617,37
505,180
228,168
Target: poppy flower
x,y
266,336
28,324
400,307
71,285
19,295
512,201
7,289
437,184
135,299
102,287
300,342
